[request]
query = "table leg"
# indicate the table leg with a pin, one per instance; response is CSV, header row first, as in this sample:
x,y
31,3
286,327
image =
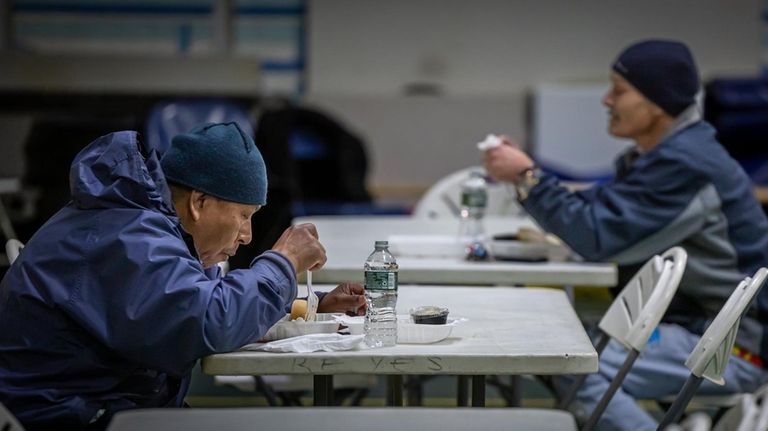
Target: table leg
x,y
323,387
510,392
414,390
462,394
395,390
478,391
515,390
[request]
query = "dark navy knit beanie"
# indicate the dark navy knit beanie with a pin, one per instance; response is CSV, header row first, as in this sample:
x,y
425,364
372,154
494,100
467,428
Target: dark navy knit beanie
x,y
663,70
220,160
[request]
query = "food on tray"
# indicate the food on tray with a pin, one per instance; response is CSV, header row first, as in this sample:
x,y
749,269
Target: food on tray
x,y
429,315
299,309
525,234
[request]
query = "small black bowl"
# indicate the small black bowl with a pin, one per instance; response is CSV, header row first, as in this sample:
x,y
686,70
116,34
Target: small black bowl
x,y
429,315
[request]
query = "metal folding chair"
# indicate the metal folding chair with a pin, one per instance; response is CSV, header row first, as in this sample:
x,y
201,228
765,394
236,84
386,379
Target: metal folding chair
x,y
443,199
698,421
711,354
761,422
13,248
744,415
8,421
741,417
633,316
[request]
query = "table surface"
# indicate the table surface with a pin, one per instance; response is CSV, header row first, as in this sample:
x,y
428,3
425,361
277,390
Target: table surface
x,y
349,240
508,331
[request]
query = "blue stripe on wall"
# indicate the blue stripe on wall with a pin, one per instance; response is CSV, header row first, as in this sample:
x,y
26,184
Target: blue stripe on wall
x,y
53,7
41,20
271,11
282,66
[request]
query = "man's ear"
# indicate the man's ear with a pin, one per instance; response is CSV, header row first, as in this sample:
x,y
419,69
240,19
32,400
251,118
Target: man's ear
x,y
195,203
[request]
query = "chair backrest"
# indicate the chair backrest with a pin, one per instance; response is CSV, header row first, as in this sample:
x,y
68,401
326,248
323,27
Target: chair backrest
x,y
8,421
632,317
443,199
711,354
13,248
638,309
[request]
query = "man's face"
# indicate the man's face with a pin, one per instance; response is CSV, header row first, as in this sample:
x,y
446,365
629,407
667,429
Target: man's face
x,y
631,115
220,228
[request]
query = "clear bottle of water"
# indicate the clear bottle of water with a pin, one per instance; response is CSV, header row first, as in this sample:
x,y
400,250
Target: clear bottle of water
x,y
381,297
474,200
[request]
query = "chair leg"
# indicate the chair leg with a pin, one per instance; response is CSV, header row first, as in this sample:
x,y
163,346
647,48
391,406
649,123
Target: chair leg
x,y
358,397
569,396
269,394
681,401
395,390
462,391
614,386
414,390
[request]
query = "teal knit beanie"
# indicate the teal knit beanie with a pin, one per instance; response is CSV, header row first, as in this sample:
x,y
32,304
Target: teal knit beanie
x,y
218,159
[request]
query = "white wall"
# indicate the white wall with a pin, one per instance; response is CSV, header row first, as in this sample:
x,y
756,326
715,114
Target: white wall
x,y
363,52
503,46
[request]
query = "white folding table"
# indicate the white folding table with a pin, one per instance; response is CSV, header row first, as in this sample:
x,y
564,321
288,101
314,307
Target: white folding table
x,y
349,240
509,331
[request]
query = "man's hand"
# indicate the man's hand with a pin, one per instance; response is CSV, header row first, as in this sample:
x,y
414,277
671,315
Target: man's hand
x,y
300,245
345,298
506,162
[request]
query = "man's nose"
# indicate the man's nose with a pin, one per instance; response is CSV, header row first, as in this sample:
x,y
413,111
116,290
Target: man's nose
x,y
245,234
607,99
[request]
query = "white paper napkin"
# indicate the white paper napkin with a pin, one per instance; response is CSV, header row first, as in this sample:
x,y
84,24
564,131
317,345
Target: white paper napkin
x,y
310,343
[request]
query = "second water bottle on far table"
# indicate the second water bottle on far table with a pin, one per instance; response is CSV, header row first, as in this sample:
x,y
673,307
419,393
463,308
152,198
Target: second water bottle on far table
x,y
474,200
381,297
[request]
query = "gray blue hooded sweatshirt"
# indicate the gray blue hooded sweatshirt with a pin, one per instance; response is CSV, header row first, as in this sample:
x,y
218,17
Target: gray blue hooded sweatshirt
x,y
686,191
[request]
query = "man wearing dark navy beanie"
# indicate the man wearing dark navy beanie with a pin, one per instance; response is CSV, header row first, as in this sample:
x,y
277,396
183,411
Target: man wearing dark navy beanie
x,y
676,187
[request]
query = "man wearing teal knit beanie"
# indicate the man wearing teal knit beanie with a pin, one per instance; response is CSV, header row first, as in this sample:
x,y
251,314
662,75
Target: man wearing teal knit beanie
x,y
113,301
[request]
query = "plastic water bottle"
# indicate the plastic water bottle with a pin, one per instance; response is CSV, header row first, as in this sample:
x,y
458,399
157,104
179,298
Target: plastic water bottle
x,y
381,297
474,200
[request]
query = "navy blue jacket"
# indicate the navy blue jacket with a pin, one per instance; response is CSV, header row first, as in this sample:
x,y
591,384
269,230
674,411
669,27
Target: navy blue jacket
x,y
108,307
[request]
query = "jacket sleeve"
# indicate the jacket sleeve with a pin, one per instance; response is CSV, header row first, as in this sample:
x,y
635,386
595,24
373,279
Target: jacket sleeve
x,y
152,301
608,219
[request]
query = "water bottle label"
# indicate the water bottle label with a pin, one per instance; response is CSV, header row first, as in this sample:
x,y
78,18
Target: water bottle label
x,y
380,280
475,199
